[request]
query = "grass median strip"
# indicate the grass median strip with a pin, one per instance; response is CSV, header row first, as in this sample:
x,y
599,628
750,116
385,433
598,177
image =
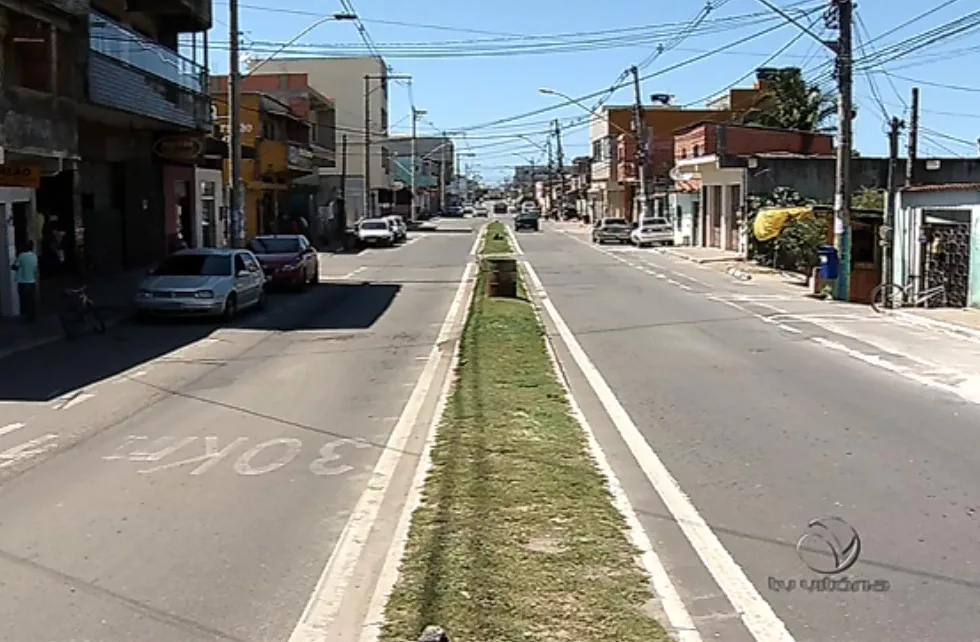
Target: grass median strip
x,y
516,537
495,240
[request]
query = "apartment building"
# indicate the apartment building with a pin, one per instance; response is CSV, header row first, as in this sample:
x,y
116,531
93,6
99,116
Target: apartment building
x,y
614,189
351,83
102,128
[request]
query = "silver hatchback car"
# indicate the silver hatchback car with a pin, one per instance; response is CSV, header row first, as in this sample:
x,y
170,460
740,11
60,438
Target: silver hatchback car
x,y
203,282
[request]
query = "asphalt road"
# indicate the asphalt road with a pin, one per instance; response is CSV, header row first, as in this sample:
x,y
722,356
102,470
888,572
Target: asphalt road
x,y
768,422
180,481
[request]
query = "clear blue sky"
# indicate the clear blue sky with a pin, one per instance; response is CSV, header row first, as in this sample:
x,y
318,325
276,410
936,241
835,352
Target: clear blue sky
x,y
461,92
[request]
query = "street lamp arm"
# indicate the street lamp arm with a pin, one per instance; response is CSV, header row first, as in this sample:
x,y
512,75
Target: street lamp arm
x,y
335,17
578,103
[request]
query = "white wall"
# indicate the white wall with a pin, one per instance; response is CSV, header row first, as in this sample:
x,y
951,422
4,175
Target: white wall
x,y
202,176
342,80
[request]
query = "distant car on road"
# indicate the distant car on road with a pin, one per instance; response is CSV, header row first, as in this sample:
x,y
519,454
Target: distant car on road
x,y
611,230
287,259
454,210
500,207
399,227
529,220
652,231
378,232
205,282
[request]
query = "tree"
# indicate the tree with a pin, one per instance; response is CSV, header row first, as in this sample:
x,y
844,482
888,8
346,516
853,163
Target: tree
x,y
869,199
790,102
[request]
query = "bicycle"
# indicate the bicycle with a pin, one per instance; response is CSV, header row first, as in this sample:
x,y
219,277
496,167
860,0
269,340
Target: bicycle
x,y
888,296
79,313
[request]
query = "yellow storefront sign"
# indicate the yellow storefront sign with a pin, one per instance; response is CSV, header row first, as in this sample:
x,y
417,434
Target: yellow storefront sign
x,y
769,221
20,176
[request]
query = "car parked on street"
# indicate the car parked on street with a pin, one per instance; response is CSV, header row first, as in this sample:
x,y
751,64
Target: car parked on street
x,y
652,231
529,220
399,227
611,230
377,232
288,260
208,282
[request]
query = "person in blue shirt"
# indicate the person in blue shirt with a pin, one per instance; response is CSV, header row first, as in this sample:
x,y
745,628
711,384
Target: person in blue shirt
x,y
26,273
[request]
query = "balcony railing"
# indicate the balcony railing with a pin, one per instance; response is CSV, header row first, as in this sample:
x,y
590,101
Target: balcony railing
x,y
115,41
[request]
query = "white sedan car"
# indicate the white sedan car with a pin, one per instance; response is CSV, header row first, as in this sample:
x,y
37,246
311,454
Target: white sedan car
x,y
653,231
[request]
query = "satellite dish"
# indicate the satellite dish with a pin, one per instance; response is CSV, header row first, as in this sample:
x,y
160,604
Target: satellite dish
x,y
679,176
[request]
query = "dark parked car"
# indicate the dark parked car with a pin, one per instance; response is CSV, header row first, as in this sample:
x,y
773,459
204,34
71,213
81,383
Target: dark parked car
x,y
287,259
527,221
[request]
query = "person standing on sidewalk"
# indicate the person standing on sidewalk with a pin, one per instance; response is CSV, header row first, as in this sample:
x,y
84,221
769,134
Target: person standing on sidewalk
x,y
25,267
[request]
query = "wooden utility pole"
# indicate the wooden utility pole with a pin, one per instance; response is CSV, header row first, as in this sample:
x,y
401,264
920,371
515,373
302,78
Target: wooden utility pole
x,y
640,148
888,240
913,138
845,115
235,192
367,146
561,171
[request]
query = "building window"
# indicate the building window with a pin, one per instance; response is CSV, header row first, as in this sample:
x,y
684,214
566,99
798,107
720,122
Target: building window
x,y
27,54
863,243
697,151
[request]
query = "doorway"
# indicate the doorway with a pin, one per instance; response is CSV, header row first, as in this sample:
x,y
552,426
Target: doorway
x,y
16,218
185,213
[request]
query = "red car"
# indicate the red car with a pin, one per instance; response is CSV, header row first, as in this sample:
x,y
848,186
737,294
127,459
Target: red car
x,y
287,259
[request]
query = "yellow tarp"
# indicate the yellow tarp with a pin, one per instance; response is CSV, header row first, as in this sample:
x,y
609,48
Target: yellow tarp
x,y
769,221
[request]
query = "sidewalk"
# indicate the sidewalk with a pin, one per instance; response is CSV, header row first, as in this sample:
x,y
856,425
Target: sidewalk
x,y
702,255
113,295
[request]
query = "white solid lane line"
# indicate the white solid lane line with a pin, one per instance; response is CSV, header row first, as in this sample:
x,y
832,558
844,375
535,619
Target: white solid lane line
x,y
9,428
755,612
324,604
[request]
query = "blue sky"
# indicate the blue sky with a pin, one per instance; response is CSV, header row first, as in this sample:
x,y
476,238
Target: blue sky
x,y
462,92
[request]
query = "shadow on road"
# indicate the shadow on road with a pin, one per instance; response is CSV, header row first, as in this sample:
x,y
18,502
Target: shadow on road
x,y
50,371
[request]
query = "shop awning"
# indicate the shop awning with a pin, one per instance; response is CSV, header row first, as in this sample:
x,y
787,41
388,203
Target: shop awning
x,y
769,221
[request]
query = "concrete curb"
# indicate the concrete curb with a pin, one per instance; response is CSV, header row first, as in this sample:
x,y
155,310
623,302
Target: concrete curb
x,y
741,275
703,260
934,324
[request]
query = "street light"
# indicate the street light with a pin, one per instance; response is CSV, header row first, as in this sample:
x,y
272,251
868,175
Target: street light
x,y
340,16
554,92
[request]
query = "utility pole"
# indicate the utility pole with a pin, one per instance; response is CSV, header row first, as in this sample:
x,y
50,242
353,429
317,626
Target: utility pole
x,y
367,146
551,174
442,173
416,114
888,243
913,138
343,185
235,191
845,114
640,136
561,171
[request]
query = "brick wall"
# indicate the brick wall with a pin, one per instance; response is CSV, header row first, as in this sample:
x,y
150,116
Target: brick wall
x,y
739,140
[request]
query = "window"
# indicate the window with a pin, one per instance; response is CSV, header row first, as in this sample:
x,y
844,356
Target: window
x,y
194,265
240,264
27,53
863,243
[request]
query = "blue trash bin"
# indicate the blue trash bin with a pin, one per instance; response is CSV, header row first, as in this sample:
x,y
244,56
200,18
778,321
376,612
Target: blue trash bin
x,y
829,262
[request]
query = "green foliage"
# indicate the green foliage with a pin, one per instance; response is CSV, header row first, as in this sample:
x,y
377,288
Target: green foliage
x,y
870,199
795,248
790,102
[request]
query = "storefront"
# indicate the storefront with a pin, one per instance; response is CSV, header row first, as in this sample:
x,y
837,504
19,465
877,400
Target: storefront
x,y
18,185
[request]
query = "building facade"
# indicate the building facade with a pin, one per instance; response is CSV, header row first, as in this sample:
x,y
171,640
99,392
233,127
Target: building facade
x,y
352,83
434,167
276,152
312,196
102,127
614,188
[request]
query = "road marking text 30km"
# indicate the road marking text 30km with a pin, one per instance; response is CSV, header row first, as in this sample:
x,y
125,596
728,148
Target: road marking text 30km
x,y
261,459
